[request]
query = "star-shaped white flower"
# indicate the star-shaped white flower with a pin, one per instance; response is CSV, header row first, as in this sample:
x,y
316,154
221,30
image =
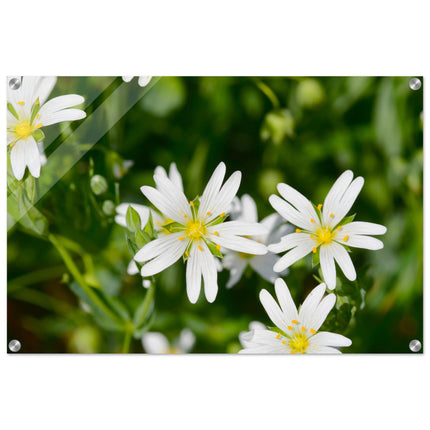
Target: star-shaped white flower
x,y
296,331
324,230
143,81
157,343
144,212
27,113
245,209
197,232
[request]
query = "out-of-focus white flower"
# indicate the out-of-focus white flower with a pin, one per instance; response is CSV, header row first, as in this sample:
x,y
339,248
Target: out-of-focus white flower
x,y
324,230
157,343
245,209
296,331
27,113
143,81
197,232
244,335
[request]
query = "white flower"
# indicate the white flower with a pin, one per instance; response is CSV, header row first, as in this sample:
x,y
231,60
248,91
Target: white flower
x,y
144,212
157,343
244,335
197,231
296,332
143,81
245,209
324,230
28,111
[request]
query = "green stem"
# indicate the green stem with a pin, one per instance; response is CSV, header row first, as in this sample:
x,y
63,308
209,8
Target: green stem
x,y
127,341
79,278
267,91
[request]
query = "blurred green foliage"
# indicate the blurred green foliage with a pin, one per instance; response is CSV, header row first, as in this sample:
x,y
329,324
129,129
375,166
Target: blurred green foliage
x,y
302,131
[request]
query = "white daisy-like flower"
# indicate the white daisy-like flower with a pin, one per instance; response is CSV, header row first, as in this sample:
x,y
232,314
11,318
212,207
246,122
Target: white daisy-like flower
x,y
324,230
157,343
244,335
296,331
198,231
245,209
27,113
144,212
143,81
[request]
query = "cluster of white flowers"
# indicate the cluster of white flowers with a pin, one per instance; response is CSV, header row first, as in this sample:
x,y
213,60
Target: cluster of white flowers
x,y
197,231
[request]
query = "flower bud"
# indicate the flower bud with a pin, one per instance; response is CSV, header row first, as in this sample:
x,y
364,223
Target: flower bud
x,y
108,207
98,184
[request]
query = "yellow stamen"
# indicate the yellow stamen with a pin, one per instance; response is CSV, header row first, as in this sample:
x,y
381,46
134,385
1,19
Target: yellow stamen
x,y
319,206
345,238
37,101
186,253
331,215
185,216
312,236
339,228
222,214
192,203
294,321
290,328
303,329
23,130
325,235
208,213
298,230
195,230
312,220
284,342
200,248
181,238
312,331
216,233
278,335
37,116
314,250
20,103
292,352
218,247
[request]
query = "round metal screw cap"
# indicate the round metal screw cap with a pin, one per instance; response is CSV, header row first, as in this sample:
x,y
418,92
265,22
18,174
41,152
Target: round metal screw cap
x,y
415,84
415,345
14,345
15,83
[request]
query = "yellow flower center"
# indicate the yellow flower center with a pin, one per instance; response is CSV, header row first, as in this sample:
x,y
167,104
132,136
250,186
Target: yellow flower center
x,y
195,230
23,130
298,343
324,235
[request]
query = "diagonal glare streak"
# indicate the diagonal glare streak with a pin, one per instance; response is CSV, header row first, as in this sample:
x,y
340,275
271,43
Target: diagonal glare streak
x,y
66,156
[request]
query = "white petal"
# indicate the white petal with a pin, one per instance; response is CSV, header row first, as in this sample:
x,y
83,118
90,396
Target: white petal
x,y
359,227
143,81
158,246
45,87
327,266
239,244
32,156
310,305
249,209
322,311
132,268
212,189
365,242
292,256
343,259
209,273
292,215
17,159
323,350
273,310
175,176
194,274
292,240
298,200
325,338
221,202
238,228
186,340
155,343
59,103
263,265
236,265
61,116
127,78
163,204
335,194
285,300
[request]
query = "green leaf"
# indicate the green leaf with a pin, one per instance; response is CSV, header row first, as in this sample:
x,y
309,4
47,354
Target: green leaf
x,y
347,220
214,250
315,259
12,110
142,238
34,110
149,227
132,220
145,309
